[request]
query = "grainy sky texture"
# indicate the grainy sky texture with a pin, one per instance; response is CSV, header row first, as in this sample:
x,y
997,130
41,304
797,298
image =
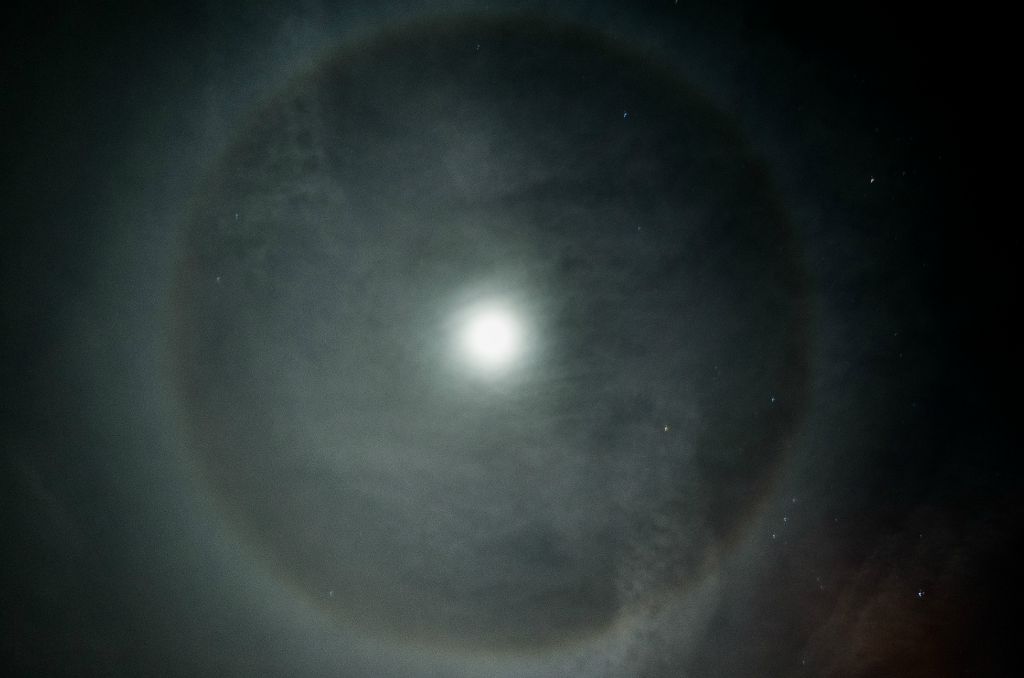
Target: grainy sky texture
x,y
500,340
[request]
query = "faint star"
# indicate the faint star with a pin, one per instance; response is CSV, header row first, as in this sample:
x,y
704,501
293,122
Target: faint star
x,y
625,114
920,593
872,180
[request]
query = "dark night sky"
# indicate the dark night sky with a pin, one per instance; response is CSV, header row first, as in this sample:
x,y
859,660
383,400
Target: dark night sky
x,y
617,339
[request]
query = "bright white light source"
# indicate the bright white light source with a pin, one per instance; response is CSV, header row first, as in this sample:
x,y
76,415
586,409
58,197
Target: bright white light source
x,y
491,337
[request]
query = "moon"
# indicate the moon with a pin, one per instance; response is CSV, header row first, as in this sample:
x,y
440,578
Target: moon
x,y
491,338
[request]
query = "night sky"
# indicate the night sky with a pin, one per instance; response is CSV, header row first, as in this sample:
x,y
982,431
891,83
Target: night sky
x,y
503,339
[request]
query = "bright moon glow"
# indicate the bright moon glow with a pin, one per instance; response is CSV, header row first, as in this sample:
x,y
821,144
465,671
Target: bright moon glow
x,y
491,338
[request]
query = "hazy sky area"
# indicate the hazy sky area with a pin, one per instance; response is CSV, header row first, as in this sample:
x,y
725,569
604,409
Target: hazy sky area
x,y
501,339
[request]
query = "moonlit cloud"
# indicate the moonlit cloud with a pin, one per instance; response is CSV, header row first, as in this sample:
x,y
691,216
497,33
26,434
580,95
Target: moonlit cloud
x,y
527,340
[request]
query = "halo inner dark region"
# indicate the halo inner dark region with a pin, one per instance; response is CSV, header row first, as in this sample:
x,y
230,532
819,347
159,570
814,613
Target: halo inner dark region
x,y
635,239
